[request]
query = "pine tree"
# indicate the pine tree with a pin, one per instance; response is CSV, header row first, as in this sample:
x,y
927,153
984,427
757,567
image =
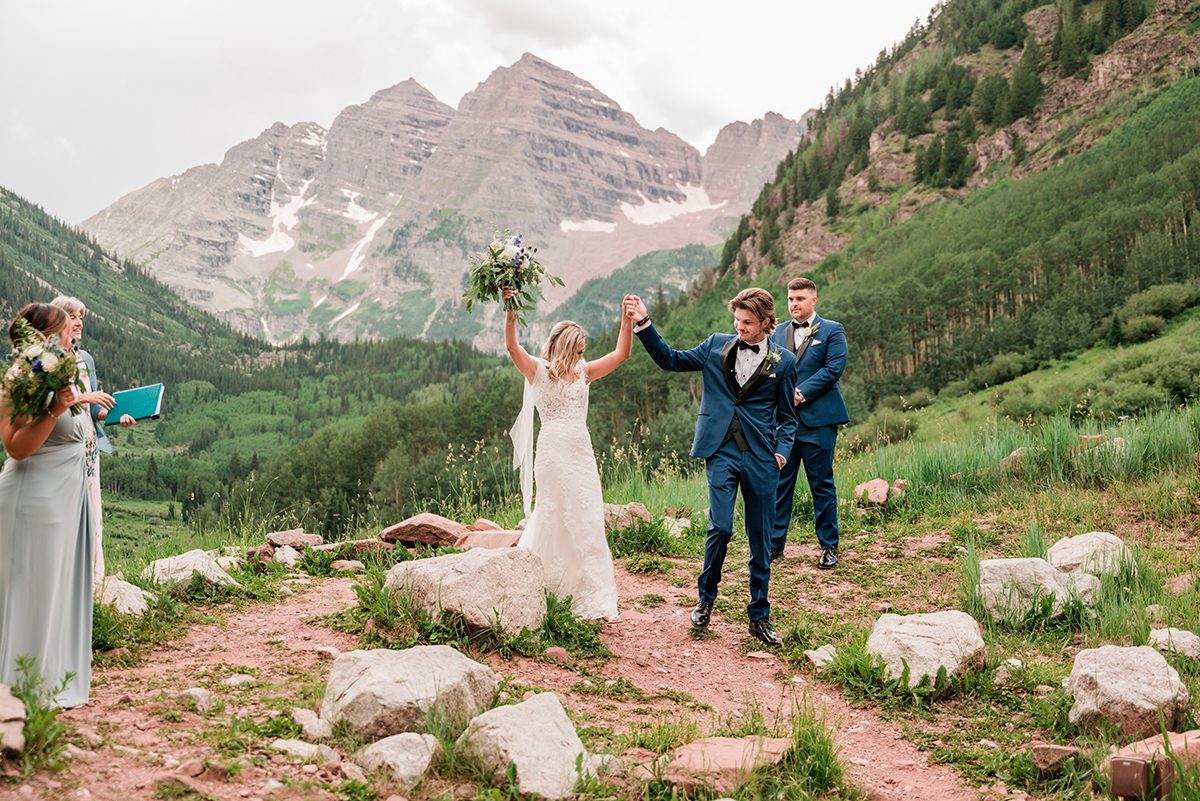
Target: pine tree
x,y
1115,333
1027,87
954,157
235,467
833,204
151,473
966,125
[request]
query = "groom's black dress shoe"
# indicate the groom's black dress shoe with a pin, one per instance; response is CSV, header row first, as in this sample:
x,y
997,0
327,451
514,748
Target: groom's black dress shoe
x,y
776,553
828,559
701,614
761,630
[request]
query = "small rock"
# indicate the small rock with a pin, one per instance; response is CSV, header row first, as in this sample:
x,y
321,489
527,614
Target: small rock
x,y
294,538
286,556
353,772
821,657
1013,663
193,768
200,697
1155,612
1181,583
327,652
286,591
271,786
760,655
305,751
313,727
347,566
1049,758
239,680
557,653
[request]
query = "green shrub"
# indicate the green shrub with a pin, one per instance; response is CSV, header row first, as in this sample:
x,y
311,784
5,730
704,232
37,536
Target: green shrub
x,y
1127,400
884,427
44,744
1143,327
1164,300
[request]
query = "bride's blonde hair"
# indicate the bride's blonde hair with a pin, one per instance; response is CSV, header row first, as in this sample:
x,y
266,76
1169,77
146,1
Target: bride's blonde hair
x,y
562,350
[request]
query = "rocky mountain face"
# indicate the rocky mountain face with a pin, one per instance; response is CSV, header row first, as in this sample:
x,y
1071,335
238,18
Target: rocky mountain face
x,y
365,229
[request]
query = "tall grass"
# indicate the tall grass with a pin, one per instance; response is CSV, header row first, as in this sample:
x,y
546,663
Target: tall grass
x,y
1055,454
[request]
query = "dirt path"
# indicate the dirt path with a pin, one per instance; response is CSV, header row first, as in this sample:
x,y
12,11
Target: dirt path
x,y
136,733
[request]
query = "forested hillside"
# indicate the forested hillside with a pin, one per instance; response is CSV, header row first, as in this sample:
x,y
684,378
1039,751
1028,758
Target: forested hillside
x,y
989,193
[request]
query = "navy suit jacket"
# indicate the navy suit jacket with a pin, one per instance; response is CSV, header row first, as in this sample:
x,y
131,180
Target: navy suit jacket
x,y
763,404
818,371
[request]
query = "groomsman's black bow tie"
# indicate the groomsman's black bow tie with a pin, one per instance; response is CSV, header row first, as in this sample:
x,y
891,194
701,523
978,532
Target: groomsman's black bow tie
x,y
802,325
746,345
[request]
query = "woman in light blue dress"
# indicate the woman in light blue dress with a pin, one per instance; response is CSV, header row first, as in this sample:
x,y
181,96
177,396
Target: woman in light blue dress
x,y
46,536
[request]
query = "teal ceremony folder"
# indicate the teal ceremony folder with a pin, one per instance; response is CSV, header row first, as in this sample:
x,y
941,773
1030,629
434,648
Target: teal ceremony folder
x,y
141,403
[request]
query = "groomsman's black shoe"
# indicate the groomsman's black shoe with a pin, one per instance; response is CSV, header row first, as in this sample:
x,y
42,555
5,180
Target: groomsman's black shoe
x,y
701,614
761,630
776,553
828,560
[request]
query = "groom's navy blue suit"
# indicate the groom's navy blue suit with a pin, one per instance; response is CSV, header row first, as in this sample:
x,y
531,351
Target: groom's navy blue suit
x,y
819,365
765,424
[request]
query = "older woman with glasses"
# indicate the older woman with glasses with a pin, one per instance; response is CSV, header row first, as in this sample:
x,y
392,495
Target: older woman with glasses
x,y
98,405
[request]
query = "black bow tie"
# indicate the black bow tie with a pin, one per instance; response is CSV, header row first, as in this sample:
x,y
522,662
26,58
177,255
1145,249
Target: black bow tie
x,y
802,325
742,344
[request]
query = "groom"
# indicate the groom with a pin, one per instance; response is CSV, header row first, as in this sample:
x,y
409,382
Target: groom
x,y
746,424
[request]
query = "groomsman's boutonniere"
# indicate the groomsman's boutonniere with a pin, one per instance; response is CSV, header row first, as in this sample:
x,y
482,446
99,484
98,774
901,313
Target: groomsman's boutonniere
x,y
773,356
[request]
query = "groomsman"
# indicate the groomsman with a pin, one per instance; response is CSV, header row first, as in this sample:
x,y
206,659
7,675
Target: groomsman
x,y
743,433
820,349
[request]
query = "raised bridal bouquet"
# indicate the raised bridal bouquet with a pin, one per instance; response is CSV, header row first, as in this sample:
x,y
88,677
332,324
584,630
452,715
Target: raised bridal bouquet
x,y
507,264
40,367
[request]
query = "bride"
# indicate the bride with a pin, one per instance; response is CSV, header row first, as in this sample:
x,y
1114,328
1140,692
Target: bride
x,y
566,528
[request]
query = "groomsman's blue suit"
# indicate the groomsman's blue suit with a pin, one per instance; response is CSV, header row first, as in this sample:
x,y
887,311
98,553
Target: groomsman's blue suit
x,y
767,419
819,365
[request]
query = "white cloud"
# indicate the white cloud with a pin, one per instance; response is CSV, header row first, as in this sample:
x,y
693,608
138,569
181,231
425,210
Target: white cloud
x,y
113,96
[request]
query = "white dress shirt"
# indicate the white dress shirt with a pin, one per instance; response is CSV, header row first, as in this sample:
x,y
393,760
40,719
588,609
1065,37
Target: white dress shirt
x,y
747,362
802,331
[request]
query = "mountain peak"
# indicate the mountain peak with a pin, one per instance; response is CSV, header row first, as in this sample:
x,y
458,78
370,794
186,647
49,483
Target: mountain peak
x,y
408,89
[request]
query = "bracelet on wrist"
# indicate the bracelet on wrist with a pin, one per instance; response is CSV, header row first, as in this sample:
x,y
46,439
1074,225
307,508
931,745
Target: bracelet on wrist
x,y
642,321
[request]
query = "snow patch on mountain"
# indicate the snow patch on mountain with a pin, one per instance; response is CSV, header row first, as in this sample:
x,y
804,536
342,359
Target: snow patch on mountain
x,y
590,226
653,213
360,250
283,218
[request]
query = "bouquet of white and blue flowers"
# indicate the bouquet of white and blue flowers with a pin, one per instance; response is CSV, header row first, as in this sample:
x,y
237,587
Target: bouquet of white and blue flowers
x,y
40,368
507,264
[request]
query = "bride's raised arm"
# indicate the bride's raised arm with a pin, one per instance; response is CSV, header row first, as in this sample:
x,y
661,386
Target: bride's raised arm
x,y
606,364
520,357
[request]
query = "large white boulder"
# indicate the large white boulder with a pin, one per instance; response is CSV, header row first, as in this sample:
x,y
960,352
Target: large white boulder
x,y
482,585
1011,588
1175,641
179,569
1096,552
537,737
382,692
405,757
12,721
125,598
926,642
1128,687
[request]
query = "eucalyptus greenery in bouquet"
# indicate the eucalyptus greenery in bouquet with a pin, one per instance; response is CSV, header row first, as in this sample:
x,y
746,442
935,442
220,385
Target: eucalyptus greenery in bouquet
x,y
506,263
40,368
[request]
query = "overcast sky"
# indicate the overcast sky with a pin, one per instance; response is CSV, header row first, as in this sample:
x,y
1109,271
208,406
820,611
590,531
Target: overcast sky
x,y
100,98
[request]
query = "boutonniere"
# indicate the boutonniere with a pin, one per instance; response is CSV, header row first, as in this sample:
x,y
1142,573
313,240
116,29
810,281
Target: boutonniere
x,y
812,332
773,356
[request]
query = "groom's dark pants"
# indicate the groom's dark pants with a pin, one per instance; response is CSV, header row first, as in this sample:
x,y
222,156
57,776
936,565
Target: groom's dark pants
x,y
728,469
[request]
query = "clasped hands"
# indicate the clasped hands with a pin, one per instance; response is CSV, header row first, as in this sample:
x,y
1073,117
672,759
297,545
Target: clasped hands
x,y
634,308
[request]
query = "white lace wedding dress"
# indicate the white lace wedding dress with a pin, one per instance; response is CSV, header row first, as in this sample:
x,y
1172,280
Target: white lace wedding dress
x,y
566,528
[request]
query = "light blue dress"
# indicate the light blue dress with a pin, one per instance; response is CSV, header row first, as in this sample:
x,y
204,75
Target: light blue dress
x,y
46,562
